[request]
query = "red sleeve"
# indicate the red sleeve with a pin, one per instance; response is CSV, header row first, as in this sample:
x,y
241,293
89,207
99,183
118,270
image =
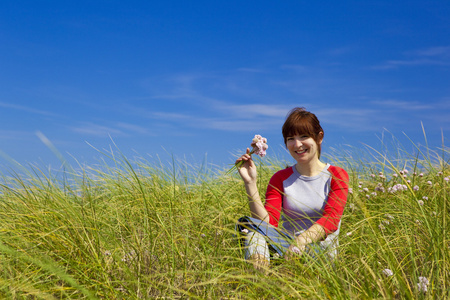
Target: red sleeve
x,y
274,195
337,198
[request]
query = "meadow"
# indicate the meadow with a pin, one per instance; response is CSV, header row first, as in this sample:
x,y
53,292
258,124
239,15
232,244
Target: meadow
x,y
144,229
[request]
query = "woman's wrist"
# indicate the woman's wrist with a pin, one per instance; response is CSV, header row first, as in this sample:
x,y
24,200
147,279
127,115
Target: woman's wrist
x,y
301,242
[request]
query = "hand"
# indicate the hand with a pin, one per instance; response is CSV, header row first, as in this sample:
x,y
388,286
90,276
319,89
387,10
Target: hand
x,y
247,169
294,251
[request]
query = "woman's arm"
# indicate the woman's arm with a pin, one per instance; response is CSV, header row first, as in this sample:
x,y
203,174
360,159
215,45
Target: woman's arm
x,y
249,176
337,198
313,234
255,203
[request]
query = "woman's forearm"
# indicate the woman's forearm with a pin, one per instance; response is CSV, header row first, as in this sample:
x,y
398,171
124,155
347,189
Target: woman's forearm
x,y
254,201
313,234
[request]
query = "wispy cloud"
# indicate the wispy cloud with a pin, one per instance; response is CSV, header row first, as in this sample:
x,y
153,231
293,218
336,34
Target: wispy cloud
x,y
88,128
15,135
251,70
120,129
26,109
432,56
132,128
402,105
254,111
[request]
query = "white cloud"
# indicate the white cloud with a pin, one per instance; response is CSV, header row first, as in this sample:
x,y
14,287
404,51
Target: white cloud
x,y
134,128
252,111
402,105
15,135
92,129
432,56
26,109
443,51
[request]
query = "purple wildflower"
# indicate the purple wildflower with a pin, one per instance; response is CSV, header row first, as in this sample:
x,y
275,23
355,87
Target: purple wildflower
x,y
379,188
425,198
429,182
416,188
390,217
447,178
387,272
397,187
423,283
420,202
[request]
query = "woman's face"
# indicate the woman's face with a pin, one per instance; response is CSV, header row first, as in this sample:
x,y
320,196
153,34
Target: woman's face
x,y
303,148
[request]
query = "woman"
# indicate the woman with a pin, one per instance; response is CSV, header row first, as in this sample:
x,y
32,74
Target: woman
x,y
308,199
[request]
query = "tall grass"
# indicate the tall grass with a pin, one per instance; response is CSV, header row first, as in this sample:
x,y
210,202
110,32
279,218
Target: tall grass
x,y
143,229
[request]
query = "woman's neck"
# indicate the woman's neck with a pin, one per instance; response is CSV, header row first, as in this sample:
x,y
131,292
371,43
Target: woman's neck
x,y
311,169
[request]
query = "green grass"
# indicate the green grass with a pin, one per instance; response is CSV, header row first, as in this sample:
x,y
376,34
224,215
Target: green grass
x,y
143,230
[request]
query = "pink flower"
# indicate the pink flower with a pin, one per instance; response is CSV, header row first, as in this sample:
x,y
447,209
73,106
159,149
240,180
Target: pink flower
x,y
388,272
420,202
429,182
259,145
447,179
416,188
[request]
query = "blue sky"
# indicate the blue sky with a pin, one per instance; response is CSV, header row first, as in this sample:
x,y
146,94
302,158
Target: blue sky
x,y
196,78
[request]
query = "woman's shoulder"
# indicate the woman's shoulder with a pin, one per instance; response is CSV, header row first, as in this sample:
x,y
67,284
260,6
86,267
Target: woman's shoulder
x,y
283,173
338,172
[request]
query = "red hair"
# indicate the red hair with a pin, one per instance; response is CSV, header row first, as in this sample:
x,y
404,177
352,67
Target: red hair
x,y
302,122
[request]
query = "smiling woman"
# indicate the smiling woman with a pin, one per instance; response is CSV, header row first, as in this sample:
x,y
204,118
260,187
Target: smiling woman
x,y
308,199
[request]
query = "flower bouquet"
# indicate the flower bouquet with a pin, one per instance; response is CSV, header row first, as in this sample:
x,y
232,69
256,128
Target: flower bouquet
x,y
259,145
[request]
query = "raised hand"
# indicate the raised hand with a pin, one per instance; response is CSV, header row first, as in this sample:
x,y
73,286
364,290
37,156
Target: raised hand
x,y
246,167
